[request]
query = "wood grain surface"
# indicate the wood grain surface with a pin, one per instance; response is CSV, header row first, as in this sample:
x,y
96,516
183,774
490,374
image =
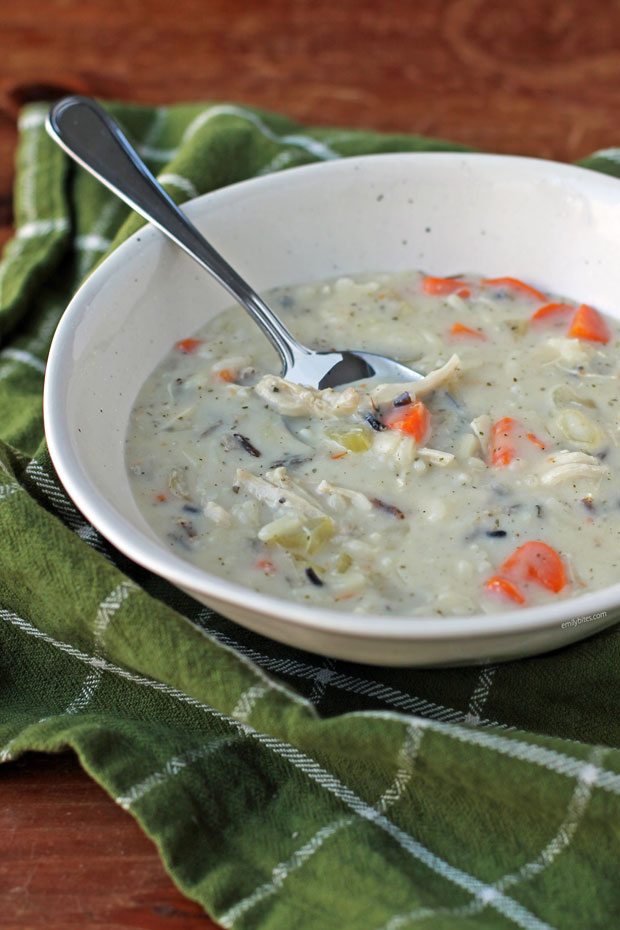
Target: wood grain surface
x,y
532,77
71,859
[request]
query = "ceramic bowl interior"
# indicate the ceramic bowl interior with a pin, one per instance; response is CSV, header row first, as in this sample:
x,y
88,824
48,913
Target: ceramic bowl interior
x,y
555,226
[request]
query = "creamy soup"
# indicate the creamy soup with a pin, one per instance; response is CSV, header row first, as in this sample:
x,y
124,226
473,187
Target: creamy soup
x,y
490,484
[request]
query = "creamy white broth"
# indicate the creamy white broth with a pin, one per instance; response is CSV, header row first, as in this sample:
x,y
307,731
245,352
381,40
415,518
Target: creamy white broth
x,y
322,498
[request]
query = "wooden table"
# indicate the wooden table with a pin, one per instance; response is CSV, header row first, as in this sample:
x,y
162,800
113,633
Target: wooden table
x,y
532,77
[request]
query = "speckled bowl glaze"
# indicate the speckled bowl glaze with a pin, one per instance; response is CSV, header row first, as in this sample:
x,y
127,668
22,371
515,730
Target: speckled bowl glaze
x,y
555,226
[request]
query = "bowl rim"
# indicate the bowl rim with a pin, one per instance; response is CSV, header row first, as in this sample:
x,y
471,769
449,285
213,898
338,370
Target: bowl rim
x,y
134,544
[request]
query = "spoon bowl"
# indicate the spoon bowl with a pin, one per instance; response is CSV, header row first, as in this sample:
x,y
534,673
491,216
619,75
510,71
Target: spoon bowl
x,y
89,135
333,369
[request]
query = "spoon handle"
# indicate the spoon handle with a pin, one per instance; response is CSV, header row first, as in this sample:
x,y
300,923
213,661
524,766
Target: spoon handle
x,y
86,132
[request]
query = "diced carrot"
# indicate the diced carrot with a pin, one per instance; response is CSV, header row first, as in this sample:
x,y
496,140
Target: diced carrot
x,y
266,566
588,324
502,449
548,312
535,440
538,562
413,419
161,498
338,455
505,588
516,285
188,346
459,331
507,442
225,374
441,287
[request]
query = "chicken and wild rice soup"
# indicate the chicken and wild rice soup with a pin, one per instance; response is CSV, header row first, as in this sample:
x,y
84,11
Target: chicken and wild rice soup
x,y
490,484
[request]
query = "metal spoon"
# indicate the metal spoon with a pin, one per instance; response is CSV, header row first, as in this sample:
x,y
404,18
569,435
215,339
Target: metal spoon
x,y
86,132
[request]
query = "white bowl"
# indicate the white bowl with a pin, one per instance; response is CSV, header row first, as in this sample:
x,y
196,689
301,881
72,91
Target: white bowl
x,y
555,226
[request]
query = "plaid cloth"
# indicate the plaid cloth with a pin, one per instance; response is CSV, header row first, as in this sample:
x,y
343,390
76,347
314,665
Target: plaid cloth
x,y
282,789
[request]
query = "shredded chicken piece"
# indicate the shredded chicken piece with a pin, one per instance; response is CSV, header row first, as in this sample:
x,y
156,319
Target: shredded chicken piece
x,y
566,466
394,445
358,499
295,400
217,513
435,456
482,430
435,379
560,349
281,479
277,490
468,447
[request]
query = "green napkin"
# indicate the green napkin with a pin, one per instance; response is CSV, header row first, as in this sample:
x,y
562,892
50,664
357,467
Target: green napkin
x,y
283,790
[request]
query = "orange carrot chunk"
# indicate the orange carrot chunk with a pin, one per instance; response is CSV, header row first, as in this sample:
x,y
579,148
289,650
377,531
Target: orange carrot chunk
x,y
188,346
516,285
535,561
443,286
459,331
225,374
588,324
505,588
502,443
413,419
549,312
